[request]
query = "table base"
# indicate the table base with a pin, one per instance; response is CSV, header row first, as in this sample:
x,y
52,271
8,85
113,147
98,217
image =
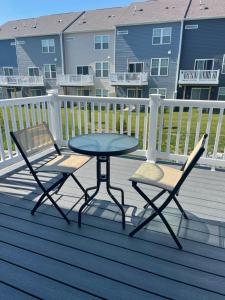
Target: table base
x,y
101,177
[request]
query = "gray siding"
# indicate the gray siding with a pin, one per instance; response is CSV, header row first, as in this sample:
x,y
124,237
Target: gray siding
x,y
137,46
29,54
7,54
205,42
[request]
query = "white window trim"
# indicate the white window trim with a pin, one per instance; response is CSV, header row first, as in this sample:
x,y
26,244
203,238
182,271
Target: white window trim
x,y
102,89
221,87
48,52
102,35
102,62
12,68
33,68
135,89
223,64
203,59
161,36
82,66
201,88
160,58
135,62
50,72
37,90
165,89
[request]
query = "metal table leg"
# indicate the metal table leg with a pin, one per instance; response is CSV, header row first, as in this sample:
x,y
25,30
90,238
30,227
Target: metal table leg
x,y
101,177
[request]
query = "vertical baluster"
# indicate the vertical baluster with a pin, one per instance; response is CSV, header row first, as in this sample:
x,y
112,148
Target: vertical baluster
x,y
188,131
208,128
107,117
66,119
129,119
27,117
86,117
121,117
43,107
137,121
145,129
161,120
79,118
198,125
179,121
33,118
7,130
13,119
72,118
2,152
218,131
49,113
99,117
114,118
92,117
169,130
38,113
20,115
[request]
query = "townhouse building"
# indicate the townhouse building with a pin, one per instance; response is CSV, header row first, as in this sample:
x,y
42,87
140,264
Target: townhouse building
x,y
202,65
33,53
148,41
89,45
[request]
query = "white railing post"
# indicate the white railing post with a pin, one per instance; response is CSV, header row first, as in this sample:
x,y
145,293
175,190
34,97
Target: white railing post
x,y
155,100
55,119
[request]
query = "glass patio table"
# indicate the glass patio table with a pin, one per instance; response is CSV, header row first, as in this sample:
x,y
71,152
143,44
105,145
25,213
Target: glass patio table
x,y
103,145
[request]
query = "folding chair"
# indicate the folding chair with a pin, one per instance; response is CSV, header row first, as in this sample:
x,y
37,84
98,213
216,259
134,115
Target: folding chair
x,y
169,180
34,140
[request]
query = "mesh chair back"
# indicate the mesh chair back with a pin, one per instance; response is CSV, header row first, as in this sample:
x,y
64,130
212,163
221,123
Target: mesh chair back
x,y
196,150
35,139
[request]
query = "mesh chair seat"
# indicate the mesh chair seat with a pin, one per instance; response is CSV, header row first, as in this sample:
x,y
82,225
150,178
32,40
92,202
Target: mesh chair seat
x,y
157,175
65,164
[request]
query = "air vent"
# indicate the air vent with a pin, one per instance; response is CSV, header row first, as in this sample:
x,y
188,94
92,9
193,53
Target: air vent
x,y
15,27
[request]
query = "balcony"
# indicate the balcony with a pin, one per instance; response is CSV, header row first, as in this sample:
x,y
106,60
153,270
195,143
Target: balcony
x,y
129,79
202,77
21,81
75,80
100,260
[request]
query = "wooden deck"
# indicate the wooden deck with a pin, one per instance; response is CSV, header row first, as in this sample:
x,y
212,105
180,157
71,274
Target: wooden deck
x,y
43,257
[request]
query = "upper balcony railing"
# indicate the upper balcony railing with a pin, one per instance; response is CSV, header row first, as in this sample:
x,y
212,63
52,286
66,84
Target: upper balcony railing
x,y
21,81
137,79
199,77
75,80
166,128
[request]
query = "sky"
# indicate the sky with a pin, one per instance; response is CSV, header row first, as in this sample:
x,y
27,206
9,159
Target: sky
x,y
22,9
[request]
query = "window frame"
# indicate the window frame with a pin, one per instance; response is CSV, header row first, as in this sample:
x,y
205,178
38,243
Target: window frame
x,y
29,68
82,66
8,68
102,69
50,71
47,46
218,94
200,88
204,59
134,63
101,41
101,92
159,67
223,64
161,36
158,92
136,91
41,94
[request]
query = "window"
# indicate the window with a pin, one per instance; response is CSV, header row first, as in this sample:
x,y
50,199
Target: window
x,y
82,70
200,93
101,93
48,46
161,91
135,67
33,71
50,71
161,36
122,32
134,93
8,71
221,93
36,92
159,66
1,92
102,69
82,92
204,64
223,65
101,42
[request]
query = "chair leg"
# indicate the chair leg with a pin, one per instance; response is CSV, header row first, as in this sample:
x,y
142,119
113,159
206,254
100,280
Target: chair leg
x,y
78,183
62,183
180,207
58,208
38,203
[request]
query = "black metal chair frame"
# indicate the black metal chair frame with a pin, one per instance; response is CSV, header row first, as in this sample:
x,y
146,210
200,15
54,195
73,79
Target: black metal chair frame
x,y
59,183
157,211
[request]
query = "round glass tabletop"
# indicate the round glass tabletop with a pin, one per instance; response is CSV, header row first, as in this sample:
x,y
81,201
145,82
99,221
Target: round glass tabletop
x,y
103,144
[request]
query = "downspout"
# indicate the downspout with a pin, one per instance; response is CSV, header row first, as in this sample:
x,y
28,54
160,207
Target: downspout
x,y
180,48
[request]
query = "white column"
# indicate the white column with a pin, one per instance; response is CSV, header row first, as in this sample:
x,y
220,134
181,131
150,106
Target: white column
x,y
155,100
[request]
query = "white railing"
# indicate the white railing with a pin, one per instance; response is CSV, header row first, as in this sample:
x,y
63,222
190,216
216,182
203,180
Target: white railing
x,y
75,80
21,81
166,129
129,78
199,77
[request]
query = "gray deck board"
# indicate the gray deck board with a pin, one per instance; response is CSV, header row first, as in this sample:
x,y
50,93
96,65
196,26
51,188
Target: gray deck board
x,y
100,260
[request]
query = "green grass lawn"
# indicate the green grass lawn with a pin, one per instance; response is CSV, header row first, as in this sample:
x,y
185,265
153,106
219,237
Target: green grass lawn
x,y
141,125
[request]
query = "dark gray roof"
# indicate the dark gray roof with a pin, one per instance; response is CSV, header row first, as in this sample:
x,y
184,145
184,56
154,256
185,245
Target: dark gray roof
x,y
97,20
45,25
206,9
154,11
